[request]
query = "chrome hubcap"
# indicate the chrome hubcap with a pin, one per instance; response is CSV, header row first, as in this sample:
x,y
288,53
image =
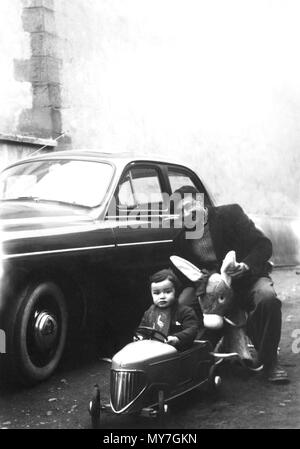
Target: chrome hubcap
x,y
45,330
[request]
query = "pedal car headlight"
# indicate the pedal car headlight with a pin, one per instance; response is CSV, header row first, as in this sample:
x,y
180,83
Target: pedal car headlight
x,y
125,387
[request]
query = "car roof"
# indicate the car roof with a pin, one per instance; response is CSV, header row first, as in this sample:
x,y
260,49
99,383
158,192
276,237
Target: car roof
x,y
120,159
124,157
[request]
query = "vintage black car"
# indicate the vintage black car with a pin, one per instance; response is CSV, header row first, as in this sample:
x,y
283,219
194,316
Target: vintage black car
x,y
80,232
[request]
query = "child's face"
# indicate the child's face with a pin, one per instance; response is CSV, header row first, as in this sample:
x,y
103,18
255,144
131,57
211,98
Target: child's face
x,y
163,293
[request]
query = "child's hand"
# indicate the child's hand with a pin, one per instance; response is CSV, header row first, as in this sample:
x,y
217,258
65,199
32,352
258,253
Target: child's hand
x,y
172,340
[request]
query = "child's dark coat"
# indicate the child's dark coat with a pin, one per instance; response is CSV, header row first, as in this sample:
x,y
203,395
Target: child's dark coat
x,y
178,320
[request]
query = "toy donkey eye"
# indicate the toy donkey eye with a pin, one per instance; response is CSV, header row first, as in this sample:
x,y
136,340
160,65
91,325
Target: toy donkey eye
x,y
221,299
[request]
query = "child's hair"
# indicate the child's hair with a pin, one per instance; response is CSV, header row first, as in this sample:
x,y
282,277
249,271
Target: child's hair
x,y
162,275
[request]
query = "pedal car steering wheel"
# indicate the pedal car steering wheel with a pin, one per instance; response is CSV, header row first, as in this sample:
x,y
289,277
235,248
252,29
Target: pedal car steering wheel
x,y
150,334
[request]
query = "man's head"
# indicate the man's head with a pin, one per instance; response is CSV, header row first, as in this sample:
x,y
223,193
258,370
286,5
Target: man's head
x,y
164,288
189,204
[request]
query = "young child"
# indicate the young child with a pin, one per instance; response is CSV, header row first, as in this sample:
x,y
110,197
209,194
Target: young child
x,y
178,322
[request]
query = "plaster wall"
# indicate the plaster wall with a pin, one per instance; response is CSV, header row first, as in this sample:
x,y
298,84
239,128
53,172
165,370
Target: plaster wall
x,y
215,84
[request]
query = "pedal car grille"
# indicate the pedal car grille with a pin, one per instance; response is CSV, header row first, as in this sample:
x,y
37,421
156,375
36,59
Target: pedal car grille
x,y
125,387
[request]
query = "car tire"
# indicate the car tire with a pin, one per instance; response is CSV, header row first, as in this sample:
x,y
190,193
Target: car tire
x,y
40,331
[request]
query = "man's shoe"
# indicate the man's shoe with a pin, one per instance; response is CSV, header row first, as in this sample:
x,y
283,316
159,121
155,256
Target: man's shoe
x,y
276,374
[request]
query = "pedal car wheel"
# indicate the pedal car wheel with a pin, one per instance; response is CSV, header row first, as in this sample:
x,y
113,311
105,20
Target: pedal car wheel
x,y
214,379
95,408
161,403
162,409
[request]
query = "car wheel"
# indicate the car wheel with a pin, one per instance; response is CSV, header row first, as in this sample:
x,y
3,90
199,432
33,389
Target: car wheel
x,y
40,332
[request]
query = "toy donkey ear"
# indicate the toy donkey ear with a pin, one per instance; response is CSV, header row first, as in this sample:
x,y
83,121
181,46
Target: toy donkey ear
x,y
226,278
192,272
228,262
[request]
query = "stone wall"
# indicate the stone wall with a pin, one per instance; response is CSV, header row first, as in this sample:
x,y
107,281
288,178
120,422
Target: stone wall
x,y
30,85
15,44
42,70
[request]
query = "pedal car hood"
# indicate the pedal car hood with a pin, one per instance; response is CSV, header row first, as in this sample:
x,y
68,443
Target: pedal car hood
x,y
136,354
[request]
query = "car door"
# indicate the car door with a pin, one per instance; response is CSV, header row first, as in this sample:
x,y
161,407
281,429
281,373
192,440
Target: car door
x,y
145,230
142,240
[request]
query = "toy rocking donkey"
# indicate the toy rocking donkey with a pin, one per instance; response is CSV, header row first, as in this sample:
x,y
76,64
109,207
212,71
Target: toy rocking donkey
x,y
220,311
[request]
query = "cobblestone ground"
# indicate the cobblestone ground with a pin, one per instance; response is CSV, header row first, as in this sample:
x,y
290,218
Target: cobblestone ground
x,y
244,402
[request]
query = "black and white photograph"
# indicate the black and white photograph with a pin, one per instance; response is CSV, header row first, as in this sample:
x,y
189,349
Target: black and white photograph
x,y
149,217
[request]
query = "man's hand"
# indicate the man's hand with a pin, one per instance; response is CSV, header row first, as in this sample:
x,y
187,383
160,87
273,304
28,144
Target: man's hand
x,y
200,286
239,270
172,340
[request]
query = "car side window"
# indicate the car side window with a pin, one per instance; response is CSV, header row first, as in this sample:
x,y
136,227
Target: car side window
x,y
125,195
178,179
140,186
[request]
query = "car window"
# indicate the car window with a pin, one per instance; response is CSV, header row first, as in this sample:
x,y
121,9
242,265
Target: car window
x,y
125,195
75,182
140,186
146,186
179,179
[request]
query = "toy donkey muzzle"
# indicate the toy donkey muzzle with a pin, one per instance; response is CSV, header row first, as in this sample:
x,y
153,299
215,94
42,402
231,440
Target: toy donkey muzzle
x,y
219,309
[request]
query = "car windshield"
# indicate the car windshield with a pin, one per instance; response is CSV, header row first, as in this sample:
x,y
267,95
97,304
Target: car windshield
x,y
76,182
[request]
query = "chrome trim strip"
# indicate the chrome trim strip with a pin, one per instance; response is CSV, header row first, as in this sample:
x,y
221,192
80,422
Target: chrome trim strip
x,y
54,251
118,412
177,395
44,219
144,243
50,232
132,217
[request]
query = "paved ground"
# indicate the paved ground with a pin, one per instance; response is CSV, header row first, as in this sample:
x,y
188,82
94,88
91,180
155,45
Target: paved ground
x,y
244,402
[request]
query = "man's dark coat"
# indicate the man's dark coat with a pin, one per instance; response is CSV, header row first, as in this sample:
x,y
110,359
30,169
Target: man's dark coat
x,y
232,229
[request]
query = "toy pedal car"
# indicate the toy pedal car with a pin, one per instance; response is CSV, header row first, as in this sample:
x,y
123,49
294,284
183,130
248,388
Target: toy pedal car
x,y
148,373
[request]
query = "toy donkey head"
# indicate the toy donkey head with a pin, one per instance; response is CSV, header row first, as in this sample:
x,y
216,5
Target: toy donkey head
x,y
217,301
214,293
